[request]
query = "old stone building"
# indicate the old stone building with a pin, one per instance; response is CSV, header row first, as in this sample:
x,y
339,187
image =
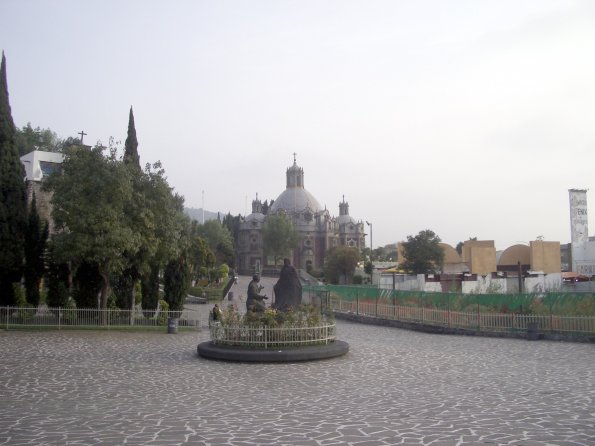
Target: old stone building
x,y
38,165
318,230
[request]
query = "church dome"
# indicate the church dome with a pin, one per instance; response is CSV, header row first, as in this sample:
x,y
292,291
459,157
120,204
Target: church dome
x,y
295,198
257,217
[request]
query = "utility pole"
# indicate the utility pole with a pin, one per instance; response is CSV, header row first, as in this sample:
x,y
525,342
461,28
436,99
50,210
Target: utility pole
x,y
371,244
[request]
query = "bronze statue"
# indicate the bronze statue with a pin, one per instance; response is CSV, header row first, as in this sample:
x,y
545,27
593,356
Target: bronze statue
x,y
288,289
255,301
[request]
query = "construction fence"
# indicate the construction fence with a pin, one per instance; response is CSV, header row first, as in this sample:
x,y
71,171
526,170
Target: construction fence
x,y
555,312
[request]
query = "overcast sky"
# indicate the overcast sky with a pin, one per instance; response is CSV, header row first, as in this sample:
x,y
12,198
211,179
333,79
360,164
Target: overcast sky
x,y
469,118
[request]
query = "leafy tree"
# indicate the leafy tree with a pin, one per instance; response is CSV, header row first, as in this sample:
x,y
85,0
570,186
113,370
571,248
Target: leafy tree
x,y
233,225
29,139
279,236
13,199
219,239
35,242
459,247
171,232
176,283
340,264
89,200
423,253
223,271
266,206
70,142
200,256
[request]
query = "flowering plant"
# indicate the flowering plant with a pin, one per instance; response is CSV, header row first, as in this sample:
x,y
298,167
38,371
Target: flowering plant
x,y
305,315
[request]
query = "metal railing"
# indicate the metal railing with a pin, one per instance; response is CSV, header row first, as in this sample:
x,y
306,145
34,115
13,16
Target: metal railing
x,y
475,320
62,318
271,337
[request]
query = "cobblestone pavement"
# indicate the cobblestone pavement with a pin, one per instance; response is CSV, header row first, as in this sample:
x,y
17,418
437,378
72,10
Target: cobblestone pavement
x,y
393,387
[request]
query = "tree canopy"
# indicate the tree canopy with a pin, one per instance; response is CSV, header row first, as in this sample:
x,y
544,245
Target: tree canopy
x,y
29,139
340,264
89,199
219,239
423,253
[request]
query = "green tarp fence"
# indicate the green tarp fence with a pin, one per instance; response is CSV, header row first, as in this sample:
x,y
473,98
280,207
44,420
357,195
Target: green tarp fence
x,y
540,303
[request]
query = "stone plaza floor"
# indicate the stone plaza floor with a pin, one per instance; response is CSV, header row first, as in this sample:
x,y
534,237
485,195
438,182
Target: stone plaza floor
x,y
393,387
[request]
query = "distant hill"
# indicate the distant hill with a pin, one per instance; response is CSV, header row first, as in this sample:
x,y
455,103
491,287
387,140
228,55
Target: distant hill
x,y
196,214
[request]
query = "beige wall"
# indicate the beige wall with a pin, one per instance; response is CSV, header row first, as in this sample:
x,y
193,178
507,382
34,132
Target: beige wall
x,y
469,244
545,256
483,260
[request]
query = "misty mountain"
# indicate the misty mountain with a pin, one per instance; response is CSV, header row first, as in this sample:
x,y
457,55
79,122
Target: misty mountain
x,y
196,214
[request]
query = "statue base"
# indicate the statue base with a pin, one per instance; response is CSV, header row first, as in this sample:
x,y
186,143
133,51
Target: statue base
x,y
286,354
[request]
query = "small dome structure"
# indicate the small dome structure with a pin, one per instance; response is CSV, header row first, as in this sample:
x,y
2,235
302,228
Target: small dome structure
x,y
256,217
514,254
450,254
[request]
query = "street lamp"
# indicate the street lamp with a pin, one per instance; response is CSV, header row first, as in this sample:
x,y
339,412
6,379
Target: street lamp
x,y
371,245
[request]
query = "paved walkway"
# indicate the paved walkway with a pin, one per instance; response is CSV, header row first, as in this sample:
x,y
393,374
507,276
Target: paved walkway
x,y
393,387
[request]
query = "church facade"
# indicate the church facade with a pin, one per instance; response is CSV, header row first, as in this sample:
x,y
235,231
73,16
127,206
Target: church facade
x,y
318,230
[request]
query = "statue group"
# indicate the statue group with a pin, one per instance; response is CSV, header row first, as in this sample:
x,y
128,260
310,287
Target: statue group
x,y
288,291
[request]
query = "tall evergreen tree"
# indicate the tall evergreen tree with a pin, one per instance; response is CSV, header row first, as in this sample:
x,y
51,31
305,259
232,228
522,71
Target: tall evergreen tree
x,y
176,279
13,199
131,144
35,242
57,280
86,285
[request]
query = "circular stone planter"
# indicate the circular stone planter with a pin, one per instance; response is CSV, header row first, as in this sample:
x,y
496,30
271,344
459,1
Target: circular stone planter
x,y
289,354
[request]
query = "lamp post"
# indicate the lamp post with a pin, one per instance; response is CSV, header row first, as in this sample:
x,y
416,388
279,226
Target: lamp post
x,y
371,244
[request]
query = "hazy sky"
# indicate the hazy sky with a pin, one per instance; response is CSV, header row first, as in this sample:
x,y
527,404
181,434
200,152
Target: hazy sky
x,y
470,118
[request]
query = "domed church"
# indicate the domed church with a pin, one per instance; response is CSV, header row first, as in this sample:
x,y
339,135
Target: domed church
x,y
318,230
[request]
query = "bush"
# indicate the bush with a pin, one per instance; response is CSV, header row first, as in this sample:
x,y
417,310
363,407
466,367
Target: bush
x,y
19,295
163,312
195,291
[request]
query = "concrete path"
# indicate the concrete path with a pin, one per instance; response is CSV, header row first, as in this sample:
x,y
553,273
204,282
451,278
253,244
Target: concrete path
x,y
393,387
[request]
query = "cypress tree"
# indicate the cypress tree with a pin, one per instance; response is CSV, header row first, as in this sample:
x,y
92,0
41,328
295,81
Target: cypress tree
x,y
150,290
57,281
176,280
86,285
35,242
13,199
131,144
124,285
